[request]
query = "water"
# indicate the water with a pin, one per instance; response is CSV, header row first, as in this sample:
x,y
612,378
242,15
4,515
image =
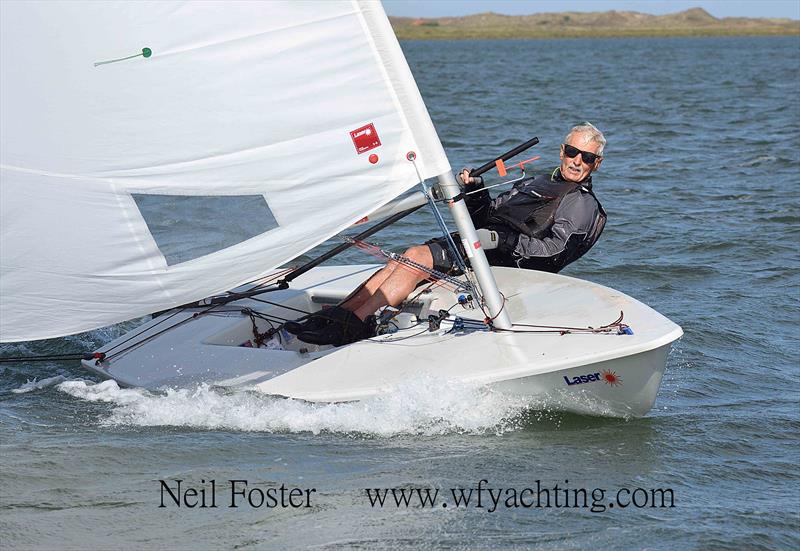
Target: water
x,y
701,186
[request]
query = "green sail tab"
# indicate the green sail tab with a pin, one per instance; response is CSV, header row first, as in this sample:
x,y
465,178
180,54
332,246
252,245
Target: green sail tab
x,y
146,52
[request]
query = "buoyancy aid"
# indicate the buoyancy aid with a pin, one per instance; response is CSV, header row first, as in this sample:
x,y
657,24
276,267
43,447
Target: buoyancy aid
x,y
530,206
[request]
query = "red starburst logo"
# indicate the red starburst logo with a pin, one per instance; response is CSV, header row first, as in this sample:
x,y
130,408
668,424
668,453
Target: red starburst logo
x,y
611,378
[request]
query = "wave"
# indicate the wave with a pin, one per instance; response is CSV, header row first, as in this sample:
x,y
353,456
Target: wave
x,y
422,407
762,159
36,384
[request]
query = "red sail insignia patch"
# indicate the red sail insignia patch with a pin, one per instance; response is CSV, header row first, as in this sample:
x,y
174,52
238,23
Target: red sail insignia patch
x,y
365,138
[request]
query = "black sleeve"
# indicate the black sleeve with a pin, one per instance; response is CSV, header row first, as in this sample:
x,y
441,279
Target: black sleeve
x,y
478,204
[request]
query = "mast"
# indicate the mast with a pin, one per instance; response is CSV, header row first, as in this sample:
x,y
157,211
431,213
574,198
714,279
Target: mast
x,y
477,258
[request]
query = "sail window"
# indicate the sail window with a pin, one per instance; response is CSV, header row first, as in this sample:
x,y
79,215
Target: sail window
x,y
187,227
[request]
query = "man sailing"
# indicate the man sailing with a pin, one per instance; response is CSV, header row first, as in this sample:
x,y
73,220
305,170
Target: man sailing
x,y
542,223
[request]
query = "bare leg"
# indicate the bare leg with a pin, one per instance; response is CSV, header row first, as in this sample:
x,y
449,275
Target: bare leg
x,y
394,284
358,297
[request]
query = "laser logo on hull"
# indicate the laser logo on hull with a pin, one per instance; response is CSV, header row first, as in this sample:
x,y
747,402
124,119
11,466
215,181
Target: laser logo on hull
x,y
581,379
607,376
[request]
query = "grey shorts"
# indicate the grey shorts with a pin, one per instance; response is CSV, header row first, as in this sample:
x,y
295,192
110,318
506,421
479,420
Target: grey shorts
x,y
442,257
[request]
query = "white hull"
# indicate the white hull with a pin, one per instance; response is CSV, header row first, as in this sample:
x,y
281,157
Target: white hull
x,y
622,373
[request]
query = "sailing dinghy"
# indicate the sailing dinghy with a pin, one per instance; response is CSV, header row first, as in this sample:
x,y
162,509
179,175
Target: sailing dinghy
x,y
127,121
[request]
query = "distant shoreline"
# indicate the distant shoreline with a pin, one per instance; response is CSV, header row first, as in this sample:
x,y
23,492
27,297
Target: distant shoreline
x,y
695,22
551,36
555,36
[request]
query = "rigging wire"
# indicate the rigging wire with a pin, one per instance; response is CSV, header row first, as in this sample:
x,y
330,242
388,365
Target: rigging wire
x,y
404,262
143,329
456,255
45,358
261,282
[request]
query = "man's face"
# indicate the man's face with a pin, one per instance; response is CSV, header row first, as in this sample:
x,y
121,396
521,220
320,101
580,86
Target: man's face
x,y
574,169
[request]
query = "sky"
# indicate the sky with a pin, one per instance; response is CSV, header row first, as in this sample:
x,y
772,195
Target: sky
x,y
717,8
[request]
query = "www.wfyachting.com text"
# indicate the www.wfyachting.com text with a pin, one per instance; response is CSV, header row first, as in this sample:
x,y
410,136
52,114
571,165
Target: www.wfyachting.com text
x,y
482,496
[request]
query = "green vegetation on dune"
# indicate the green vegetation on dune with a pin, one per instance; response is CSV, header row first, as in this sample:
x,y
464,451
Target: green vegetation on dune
x,y
693,22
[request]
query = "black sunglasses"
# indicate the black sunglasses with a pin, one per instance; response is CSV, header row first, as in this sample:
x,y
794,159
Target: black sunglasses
x,y
587,156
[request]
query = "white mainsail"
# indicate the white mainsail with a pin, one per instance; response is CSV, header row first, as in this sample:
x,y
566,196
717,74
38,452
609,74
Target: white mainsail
x,y
309,107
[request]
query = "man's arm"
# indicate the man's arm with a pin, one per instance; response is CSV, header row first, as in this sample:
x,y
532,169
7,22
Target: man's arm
x,y
478,200
574,219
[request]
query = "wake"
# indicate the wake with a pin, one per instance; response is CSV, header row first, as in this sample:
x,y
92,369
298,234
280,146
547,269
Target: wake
x,y
422,407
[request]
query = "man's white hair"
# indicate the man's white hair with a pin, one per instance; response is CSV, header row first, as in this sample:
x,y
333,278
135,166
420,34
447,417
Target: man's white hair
x,y
594,135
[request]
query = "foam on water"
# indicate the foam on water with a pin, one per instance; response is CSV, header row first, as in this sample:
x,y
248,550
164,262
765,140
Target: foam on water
x,y
34,384
421,407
